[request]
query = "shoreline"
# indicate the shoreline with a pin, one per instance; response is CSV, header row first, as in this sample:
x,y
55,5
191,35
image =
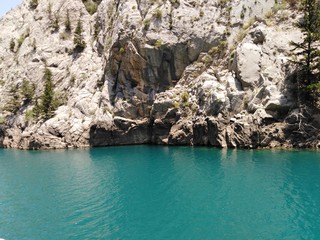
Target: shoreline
x,y
287,148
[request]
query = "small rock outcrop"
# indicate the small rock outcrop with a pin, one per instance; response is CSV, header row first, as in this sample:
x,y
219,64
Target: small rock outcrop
x,y
122,132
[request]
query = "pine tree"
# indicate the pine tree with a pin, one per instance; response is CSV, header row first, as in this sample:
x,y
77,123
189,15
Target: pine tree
x,y
67,23
14,101
47,97
78,41
308,51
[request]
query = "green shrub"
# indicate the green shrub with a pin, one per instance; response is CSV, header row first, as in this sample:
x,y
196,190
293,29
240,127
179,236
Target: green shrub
x,y
37,111
33,4
14,102
12,45
21,40
207,60
29,115
90,6
23,37
67,22
158,13
2,120
147,23
241,35
158,44
269,14
194,107
59,99
72,79
55,23
248,24
176,105
222,46
184,97
201,13
27,90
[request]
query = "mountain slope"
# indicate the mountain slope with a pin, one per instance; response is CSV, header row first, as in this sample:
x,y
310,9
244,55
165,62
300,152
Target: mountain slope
x,y
165,72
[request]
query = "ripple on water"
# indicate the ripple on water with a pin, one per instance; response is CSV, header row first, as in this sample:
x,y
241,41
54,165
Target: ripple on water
x,y
148,192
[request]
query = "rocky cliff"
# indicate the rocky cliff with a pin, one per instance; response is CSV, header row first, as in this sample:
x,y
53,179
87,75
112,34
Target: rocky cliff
x,y
178,72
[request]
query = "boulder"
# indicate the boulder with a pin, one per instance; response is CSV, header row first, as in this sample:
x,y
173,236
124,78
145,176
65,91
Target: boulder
x,y
181,133
248,58
258,35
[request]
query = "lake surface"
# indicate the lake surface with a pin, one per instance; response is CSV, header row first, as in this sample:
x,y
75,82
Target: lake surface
x,y
149,192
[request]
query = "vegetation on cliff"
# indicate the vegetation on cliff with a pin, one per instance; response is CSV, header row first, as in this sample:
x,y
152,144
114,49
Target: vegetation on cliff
x,y
164,72
78,40
308,53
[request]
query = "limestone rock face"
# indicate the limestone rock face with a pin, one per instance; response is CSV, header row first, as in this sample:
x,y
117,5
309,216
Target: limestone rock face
x,y
163,72
123,132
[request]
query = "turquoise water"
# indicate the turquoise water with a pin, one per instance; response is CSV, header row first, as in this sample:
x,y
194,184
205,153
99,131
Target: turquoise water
x,y
148,192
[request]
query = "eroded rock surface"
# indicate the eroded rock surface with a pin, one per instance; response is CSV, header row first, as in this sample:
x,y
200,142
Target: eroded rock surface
x,y
164,72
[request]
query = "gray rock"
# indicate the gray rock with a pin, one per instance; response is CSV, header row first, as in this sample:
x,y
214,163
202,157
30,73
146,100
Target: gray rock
x,y
148,78
200,132
248,64
181,133
216,133
258,35
123,132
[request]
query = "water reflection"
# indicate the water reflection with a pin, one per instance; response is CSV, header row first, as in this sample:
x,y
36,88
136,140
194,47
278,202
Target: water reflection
x,y
301,192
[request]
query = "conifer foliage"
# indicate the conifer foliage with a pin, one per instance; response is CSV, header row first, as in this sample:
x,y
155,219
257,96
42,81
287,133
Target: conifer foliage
x,y
67,23
47,97
308,52
78,40
50,100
